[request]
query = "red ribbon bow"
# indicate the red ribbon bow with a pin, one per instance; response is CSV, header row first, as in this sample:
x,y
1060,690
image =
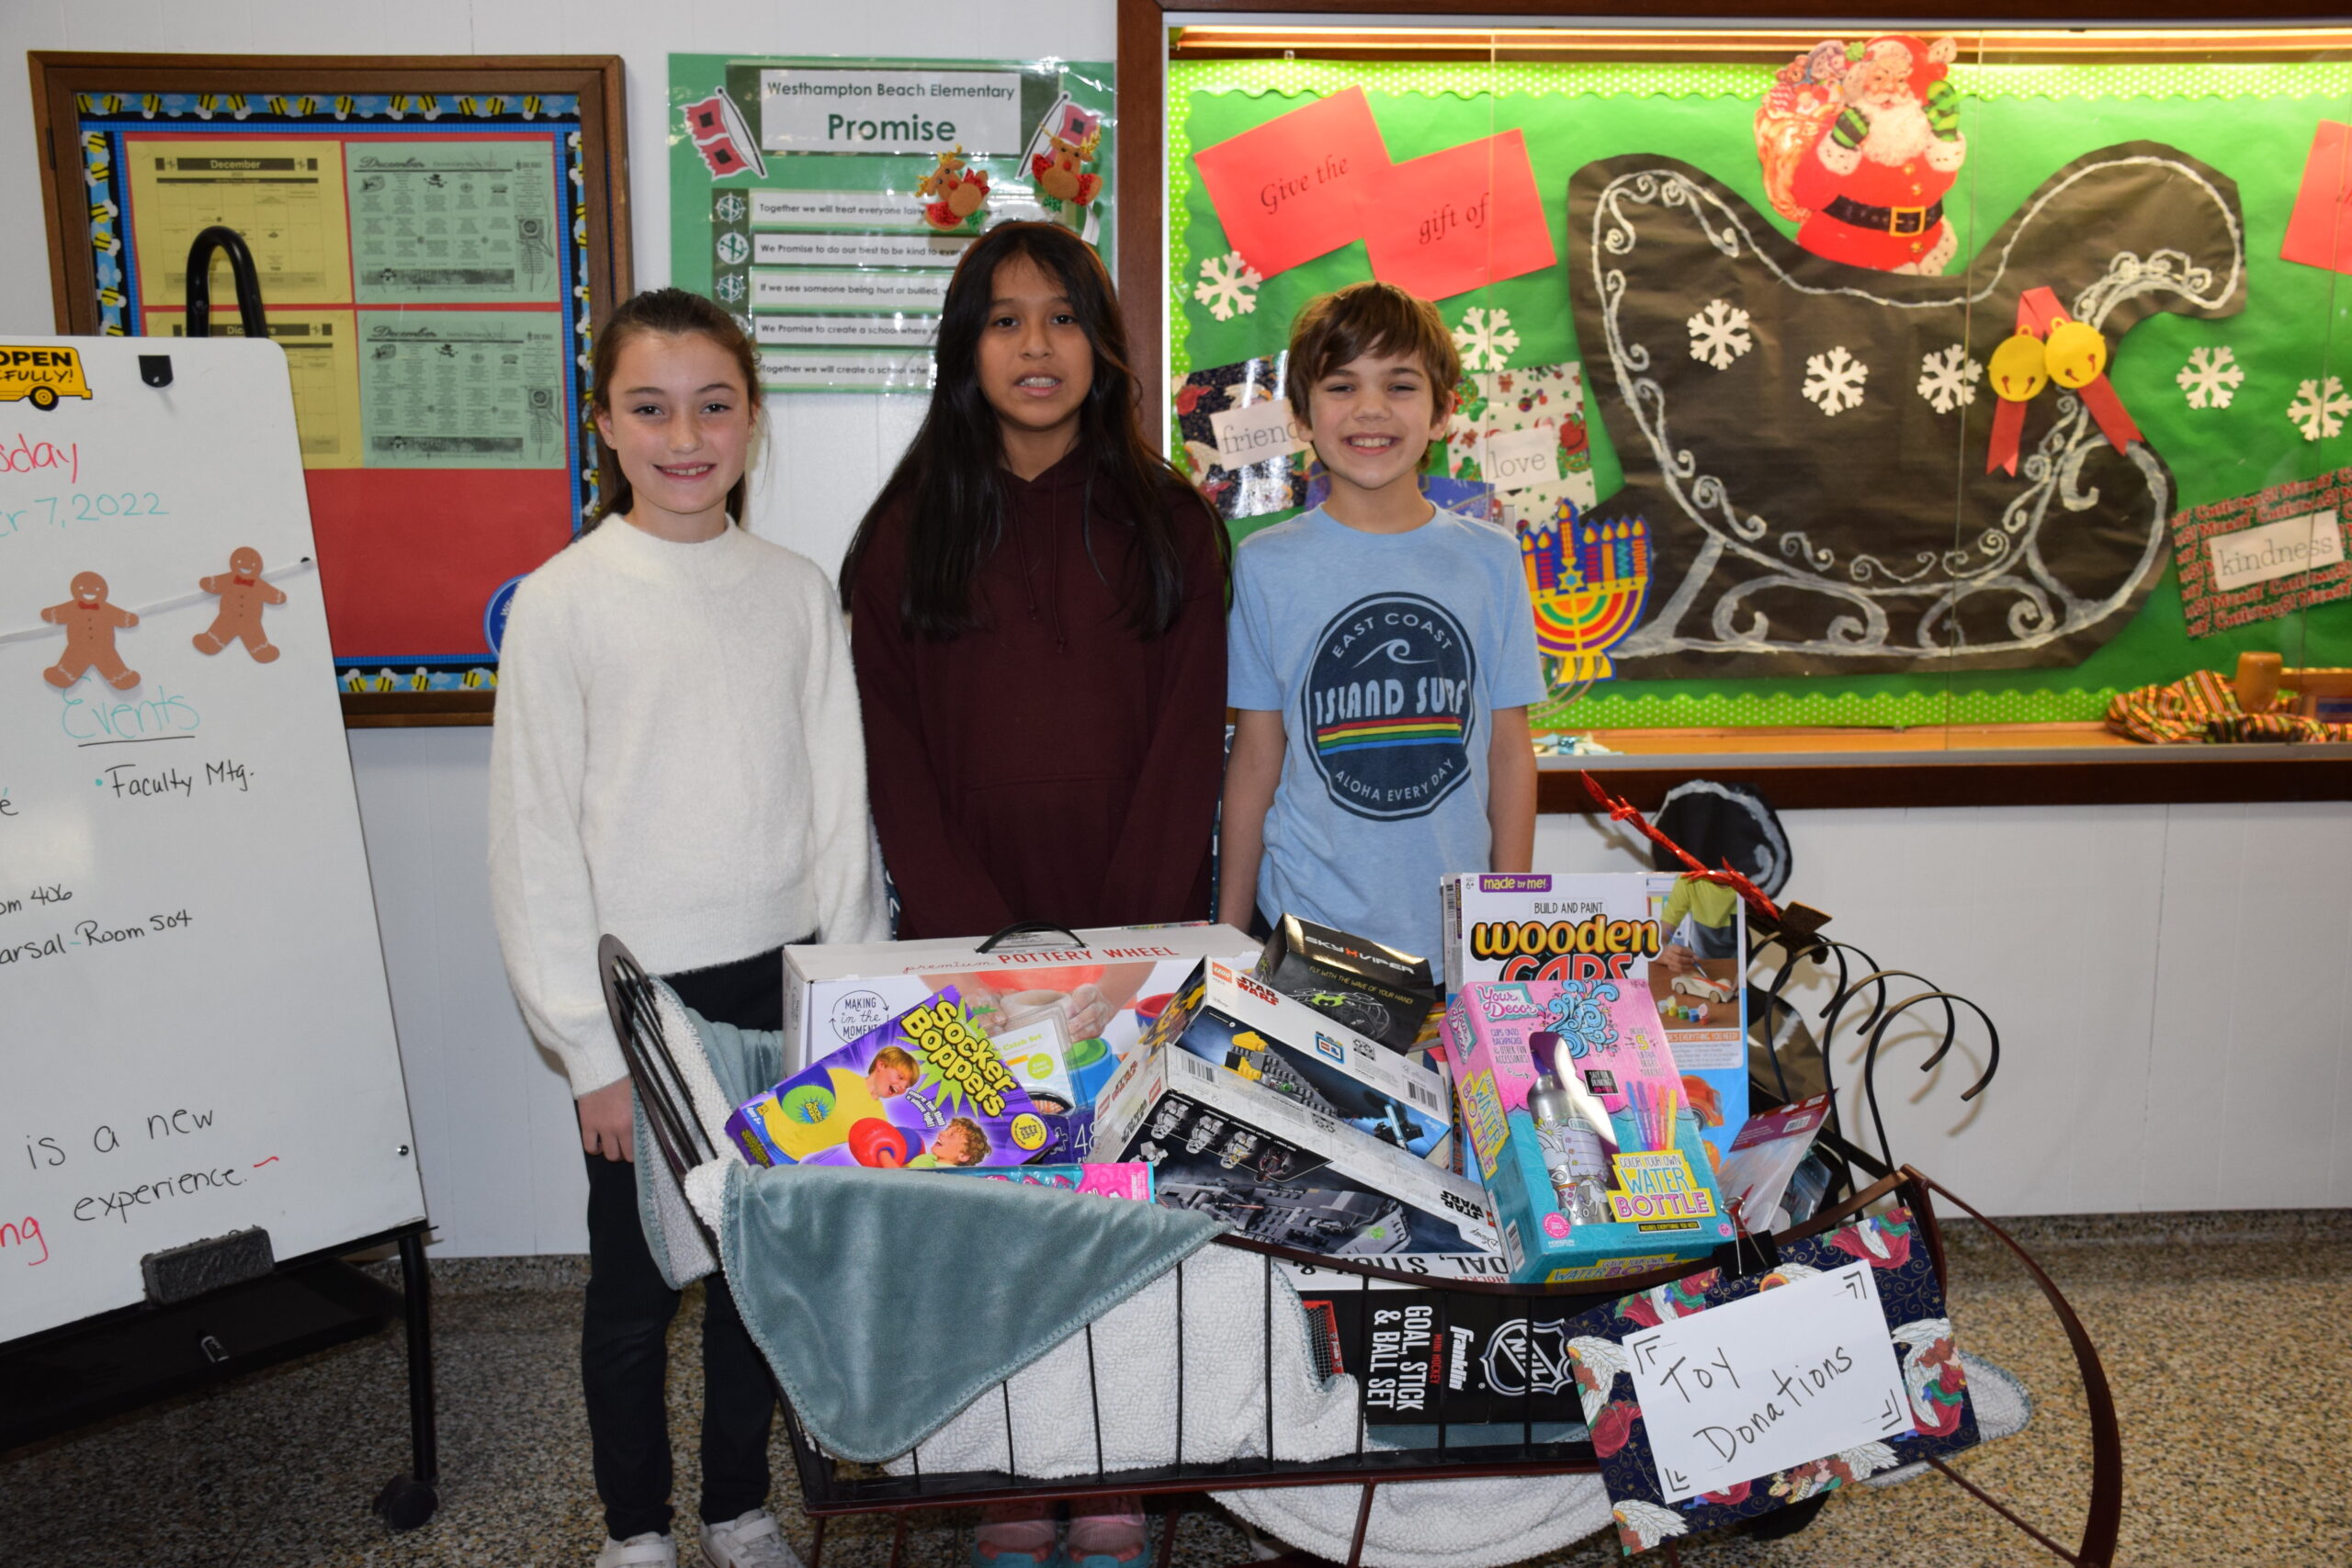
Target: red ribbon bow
x,y
2037,313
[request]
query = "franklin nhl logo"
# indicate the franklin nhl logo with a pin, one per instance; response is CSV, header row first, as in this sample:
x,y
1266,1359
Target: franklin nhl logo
x,y
1388,712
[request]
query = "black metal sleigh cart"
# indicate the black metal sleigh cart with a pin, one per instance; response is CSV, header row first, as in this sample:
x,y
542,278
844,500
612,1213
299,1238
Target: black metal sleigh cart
x,y
1870,1009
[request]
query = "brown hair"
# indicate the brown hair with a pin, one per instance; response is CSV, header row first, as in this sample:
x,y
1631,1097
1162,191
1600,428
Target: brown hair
x,y
670,312
976,1139
896,1057
1340,328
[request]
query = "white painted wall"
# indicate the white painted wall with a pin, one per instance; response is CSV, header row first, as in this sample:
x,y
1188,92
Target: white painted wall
x,y
2172,983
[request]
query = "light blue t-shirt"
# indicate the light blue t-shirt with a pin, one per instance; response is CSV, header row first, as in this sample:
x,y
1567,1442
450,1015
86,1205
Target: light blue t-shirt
x,y
1385,654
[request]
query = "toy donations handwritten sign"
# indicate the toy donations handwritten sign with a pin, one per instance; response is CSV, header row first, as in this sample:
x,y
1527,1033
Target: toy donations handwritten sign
x,y
198,1035
1713,1400
1761,1384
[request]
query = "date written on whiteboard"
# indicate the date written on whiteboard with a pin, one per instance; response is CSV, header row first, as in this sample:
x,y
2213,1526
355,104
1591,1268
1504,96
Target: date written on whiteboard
x,y
1786,1376
79,506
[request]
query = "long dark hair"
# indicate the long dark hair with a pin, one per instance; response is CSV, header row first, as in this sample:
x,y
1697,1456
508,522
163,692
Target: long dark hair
x,y
950,483
670,312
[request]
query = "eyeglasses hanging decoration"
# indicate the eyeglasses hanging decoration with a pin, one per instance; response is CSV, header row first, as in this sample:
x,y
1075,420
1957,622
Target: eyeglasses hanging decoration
x,y
2051,345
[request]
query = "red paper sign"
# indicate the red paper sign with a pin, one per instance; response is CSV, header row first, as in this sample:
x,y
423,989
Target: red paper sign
x,y
1459,219
2319,231
1297,188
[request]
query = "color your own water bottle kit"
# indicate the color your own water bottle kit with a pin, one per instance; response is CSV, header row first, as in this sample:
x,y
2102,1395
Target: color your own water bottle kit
x,y
1587,1140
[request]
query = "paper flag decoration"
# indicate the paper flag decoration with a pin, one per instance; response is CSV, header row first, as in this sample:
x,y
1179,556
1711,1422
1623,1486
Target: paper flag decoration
x,y
2319,230
1297,188
716,127
1459,219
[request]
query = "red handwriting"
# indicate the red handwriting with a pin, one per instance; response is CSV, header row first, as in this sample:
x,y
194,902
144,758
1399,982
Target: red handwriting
x,y
25,1235
259,1162
30,457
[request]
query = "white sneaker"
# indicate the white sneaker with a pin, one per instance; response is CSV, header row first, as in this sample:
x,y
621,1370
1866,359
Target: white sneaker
x,y
648,1550
752,1541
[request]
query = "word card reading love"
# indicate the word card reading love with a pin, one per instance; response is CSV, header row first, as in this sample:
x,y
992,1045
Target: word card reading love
x,y
1789,1375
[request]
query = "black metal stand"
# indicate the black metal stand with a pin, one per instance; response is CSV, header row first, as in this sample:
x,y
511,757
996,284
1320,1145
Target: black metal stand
x,y
118,1361
411,1498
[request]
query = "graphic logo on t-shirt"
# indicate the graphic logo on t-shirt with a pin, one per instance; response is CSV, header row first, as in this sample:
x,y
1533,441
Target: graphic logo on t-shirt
x,y
1387,705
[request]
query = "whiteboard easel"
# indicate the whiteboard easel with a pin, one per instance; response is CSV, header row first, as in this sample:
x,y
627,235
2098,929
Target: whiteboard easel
x,y
194,1026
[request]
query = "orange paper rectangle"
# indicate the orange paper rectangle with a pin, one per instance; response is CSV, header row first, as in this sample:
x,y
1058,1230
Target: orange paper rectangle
x,y
1296,186
2319,230
1459,219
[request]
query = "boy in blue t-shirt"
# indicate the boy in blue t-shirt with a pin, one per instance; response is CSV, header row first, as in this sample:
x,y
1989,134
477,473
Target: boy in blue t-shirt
x,y
1381,652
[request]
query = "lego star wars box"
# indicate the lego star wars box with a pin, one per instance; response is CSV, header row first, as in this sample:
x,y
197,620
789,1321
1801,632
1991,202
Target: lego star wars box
x,y
1374,990
1278,1172
1230,1019
1682,941
1064,1015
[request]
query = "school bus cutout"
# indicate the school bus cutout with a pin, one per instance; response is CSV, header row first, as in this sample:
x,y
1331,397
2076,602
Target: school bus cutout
x,y
42,375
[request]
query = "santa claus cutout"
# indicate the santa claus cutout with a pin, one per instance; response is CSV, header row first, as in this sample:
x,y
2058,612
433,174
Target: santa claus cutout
x,y
1863,149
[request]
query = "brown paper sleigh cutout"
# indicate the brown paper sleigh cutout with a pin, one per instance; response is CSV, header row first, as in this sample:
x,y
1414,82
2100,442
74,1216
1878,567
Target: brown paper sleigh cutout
x,y
1792,428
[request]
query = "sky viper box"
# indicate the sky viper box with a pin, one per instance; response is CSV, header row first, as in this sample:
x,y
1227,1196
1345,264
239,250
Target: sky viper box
x,y
1374,990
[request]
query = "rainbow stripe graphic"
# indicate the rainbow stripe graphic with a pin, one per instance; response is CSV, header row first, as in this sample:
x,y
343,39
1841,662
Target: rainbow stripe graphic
x,y
1586,596
1368,734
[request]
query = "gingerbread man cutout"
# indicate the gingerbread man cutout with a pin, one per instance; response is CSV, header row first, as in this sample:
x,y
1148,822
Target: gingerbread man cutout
x,y
90,623
242,593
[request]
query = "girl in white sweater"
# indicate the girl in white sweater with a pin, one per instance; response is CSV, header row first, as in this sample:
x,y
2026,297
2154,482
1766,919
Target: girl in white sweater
x,y
677,761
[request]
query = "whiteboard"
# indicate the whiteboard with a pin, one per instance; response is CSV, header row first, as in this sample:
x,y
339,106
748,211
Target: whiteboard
x,y
195,1030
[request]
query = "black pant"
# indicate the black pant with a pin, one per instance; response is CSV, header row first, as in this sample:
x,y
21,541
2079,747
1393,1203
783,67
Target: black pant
x,y
624,1356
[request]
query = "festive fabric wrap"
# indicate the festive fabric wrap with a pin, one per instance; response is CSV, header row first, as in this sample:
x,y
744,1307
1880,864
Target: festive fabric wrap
x,y
1913,1299
2203,707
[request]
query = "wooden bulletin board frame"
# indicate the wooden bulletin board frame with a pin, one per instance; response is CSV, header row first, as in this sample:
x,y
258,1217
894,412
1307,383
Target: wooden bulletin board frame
x,y
417,92
1977,766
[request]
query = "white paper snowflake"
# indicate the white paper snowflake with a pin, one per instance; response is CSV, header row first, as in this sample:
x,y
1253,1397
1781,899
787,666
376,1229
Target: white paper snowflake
x,y
1833,381
2319,408
2210,378
1948,378
1227,284
1485,338
1719,335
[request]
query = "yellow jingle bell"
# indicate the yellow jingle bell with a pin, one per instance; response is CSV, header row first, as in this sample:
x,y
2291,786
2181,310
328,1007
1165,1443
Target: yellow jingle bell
x,y
2074,353
2019,369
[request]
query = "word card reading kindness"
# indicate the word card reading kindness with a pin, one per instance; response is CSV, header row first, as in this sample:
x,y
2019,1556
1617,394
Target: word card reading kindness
x,y
1795,1373
890,112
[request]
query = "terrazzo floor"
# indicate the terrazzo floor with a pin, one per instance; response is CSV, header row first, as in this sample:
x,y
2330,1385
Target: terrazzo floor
x,y
2224,1335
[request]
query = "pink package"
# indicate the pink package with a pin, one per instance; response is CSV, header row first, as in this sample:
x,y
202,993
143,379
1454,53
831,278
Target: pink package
x,y
1129,1180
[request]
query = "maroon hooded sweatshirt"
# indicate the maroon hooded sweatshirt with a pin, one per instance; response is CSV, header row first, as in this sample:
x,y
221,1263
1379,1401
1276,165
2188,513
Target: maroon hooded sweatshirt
x,y
1051,765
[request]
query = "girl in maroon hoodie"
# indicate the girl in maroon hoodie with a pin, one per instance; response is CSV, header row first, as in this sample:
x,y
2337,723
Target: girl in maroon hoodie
x,y
1038,614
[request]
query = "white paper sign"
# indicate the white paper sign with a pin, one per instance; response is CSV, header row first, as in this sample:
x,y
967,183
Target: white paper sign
x,y
1257,433
2276,549
1786,1376
1518,459
890,112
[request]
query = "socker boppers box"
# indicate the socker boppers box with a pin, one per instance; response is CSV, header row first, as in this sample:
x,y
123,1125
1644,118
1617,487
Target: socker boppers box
x,y
922,1088
1601,1172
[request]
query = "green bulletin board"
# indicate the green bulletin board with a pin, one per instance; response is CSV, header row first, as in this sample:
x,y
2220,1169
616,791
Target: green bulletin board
x,y
797,194
2254,123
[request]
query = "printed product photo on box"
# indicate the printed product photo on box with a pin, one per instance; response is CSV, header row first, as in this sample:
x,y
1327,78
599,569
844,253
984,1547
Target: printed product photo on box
x,y
1586,1138
922,1088
1230,1019
1678,939
1278,1172
1098,994
1377,991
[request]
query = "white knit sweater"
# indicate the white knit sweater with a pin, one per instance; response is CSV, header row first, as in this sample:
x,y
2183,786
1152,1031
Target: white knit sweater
x,y
677,761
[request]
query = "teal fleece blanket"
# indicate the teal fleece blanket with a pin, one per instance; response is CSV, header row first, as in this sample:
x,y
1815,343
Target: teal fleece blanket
x,y
887,1300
